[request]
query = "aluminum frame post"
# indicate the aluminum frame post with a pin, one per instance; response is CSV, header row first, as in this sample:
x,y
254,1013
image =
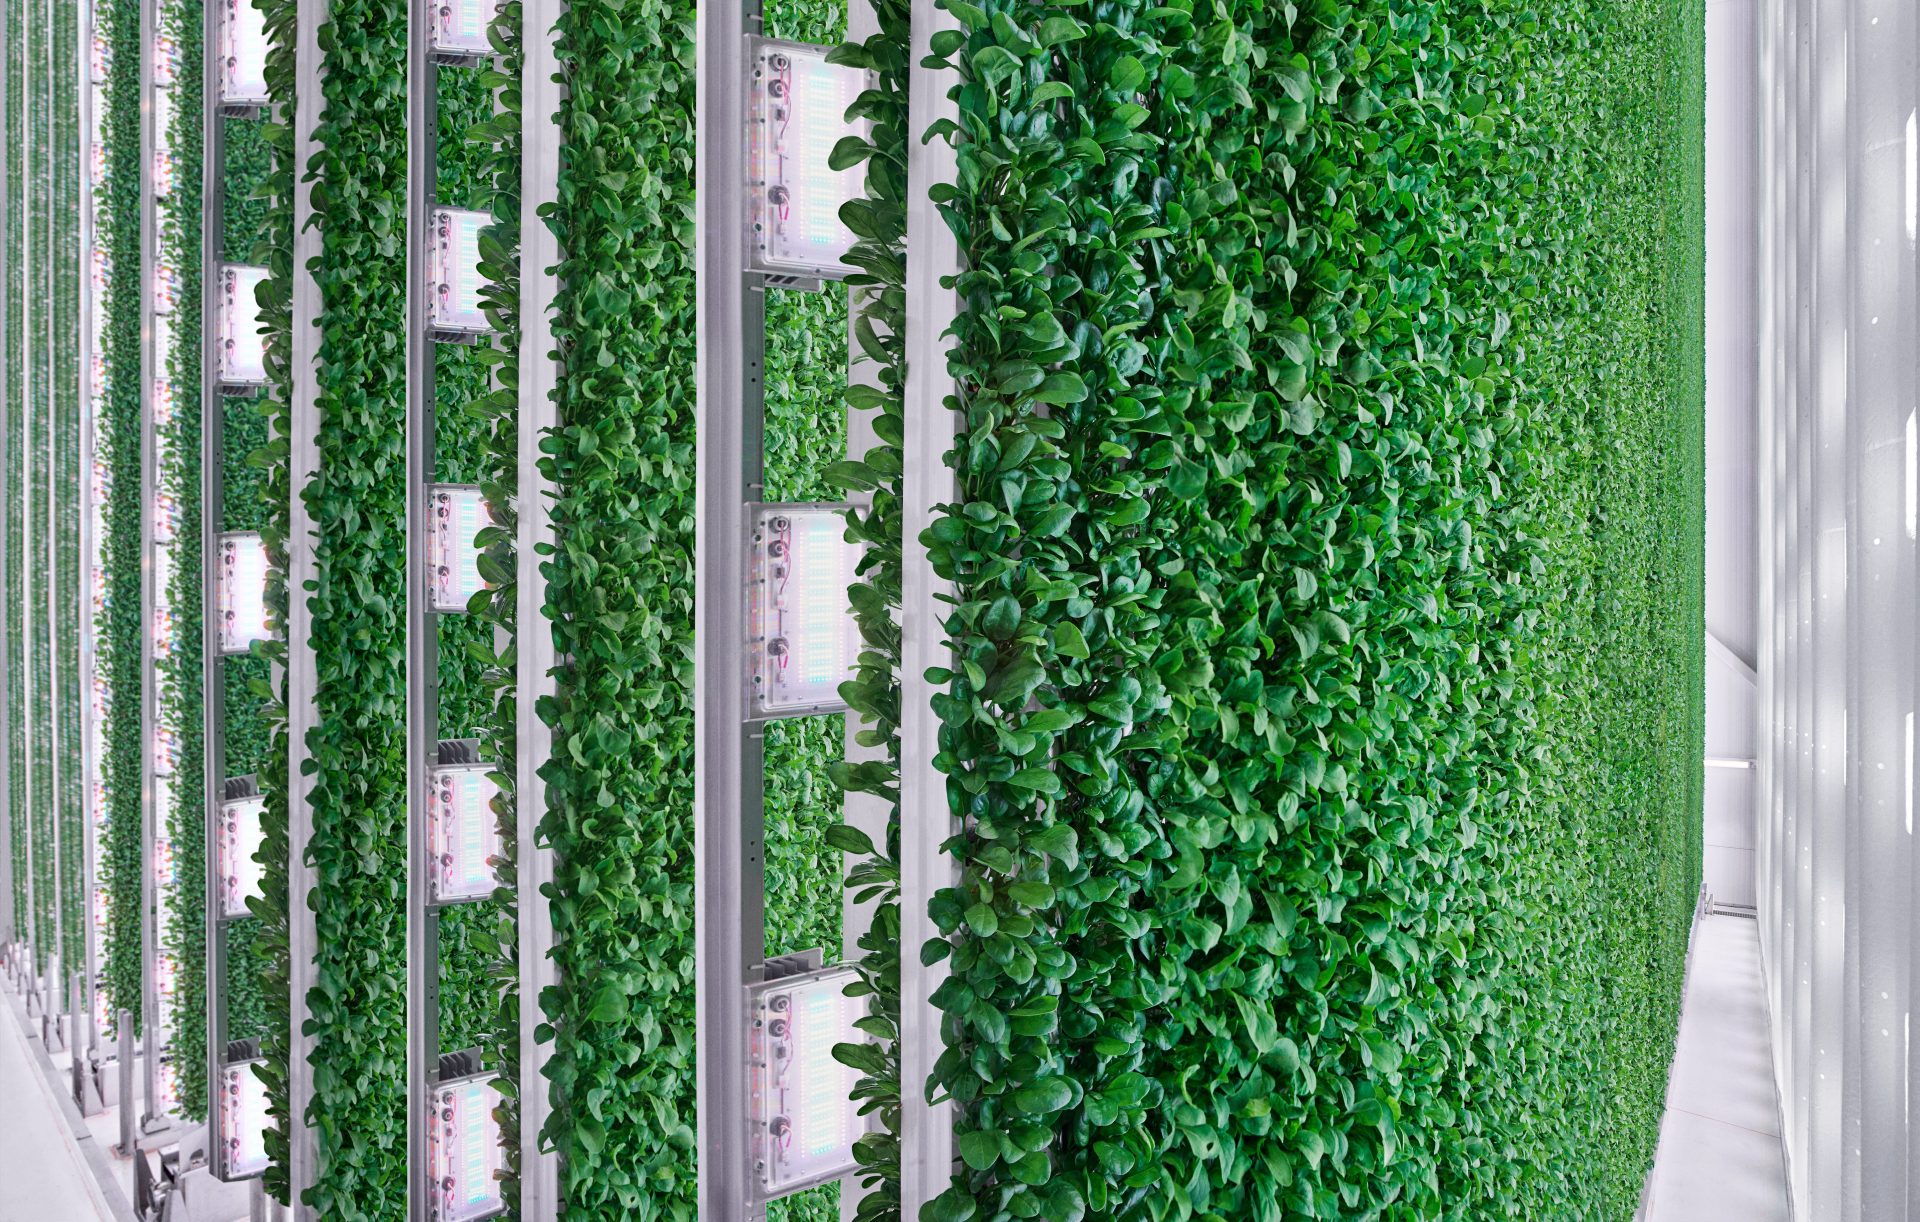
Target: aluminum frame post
x,y
927,819
729,817
302,677
10,922
541,94
422,652
89,542
149,485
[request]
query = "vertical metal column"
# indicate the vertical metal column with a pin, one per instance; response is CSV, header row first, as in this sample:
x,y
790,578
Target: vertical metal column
x,y
10,921
56,988
927,819
302,676
150,1017
1830,596
213,445
89,416
1881,320
422,652
729,826
540,99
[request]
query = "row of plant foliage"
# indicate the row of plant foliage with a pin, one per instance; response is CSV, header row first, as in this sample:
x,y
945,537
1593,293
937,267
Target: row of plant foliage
x,y
1325,709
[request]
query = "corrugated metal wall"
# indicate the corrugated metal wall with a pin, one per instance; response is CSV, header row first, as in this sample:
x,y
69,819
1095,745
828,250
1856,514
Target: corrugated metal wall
x,y
1836,359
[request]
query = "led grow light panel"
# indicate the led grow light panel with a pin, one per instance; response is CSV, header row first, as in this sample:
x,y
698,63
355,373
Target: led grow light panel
x,y
166,291
458,514
243,55
462,833
803,1114
802,637
169,1089
97,163
242,358
243,1121
100,60
166,756
463,1148
460,28
453,272
242,592
240,876
166,66
166,519
796,113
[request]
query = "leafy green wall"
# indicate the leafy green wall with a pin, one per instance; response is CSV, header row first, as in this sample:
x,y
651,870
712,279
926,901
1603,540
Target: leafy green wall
x,y
118,440
1328,699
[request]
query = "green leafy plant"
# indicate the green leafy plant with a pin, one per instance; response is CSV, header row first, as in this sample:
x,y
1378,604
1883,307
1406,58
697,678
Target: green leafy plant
x,y
267,681
619,581
1291,690
118,424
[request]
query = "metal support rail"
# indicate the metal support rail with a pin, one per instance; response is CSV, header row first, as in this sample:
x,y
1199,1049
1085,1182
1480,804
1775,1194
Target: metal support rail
x,y
150,1015
422,651
536,658
927,820
302,676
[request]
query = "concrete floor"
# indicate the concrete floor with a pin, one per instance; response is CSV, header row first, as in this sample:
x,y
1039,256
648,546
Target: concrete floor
x,y
43,1175
1720,1157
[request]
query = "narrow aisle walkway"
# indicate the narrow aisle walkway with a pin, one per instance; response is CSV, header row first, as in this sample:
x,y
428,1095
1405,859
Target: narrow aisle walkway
x,y
42,1175
1719,1157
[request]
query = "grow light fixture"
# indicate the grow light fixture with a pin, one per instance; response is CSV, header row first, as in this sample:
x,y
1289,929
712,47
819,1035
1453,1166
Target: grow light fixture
x,y
242,591
243,1114
463,834
240,876
166,289
803,1114
100,59
802,638
242,355
243,58
796,112
166,65
454,312
463,1148
459,34
457,513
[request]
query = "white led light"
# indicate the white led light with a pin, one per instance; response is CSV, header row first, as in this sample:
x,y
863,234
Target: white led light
x,y
458,514
166,289
242,355
804,1117
243,1120
242,592
100,59
243,54
796,113
162,154
460,28
453,273
166,64
240,876
463,1141
97,163
802,637
463,833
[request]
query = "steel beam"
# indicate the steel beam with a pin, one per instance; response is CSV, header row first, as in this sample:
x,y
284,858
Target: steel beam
x,y
302,676
536,658
926,817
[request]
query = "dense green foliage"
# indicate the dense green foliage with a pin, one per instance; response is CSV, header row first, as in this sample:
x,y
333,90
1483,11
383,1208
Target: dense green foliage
x,y
873,695
619,599
118,440
356,1013
273,460
1323,858
179,677
14,121
495,415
